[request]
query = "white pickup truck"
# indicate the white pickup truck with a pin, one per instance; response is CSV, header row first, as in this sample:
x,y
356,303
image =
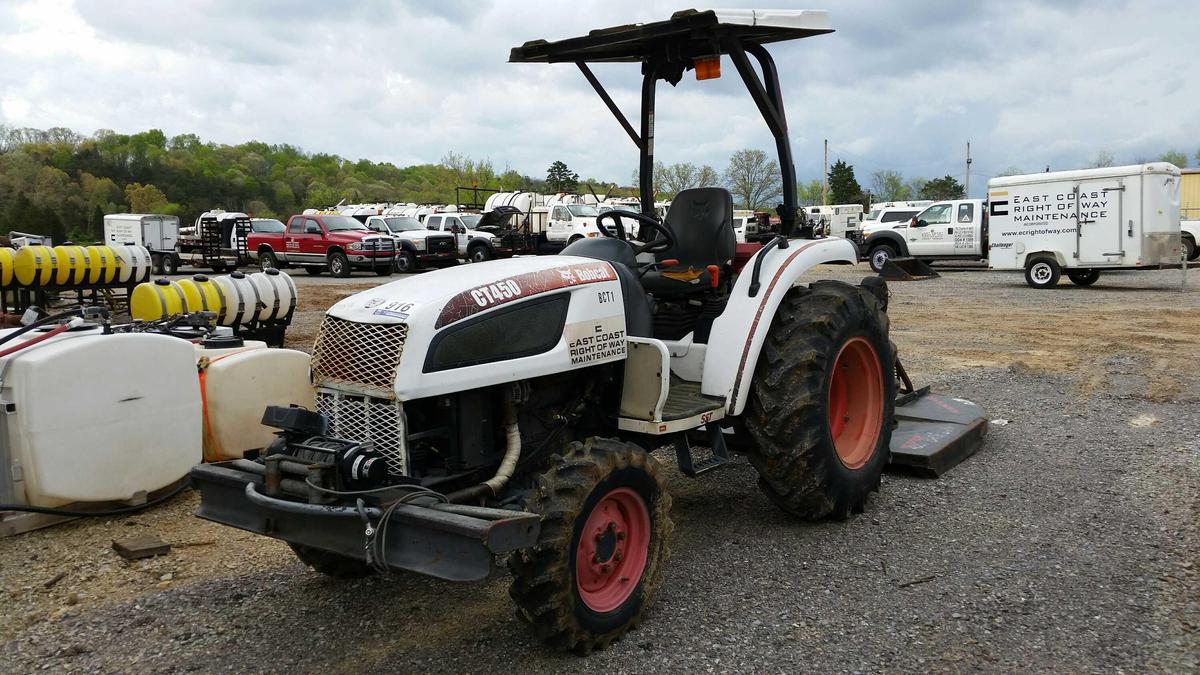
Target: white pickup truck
x,y
474,245
949,230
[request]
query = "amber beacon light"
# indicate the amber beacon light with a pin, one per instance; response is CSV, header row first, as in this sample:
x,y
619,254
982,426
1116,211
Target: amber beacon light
x,y
707,67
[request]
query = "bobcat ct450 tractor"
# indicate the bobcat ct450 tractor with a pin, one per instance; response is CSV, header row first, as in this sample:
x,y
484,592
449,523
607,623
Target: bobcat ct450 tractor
x,y
504,414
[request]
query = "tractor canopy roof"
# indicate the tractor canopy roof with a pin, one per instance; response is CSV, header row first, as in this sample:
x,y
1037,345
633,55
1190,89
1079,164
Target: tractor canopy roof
x,y
688,33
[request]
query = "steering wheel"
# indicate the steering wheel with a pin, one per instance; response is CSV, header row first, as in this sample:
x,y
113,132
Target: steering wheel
x,y
664,241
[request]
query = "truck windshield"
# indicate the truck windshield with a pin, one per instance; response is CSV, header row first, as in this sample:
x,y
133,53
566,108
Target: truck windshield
x,y
583,210
403,224
341,223
471,221
874,214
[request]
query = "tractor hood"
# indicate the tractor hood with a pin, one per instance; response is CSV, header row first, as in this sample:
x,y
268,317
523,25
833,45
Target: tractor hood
x,y
482,306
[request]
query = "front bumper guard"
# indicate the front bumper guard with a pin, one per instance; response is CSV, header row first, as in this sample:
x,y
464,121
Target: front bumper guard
x,y
448,541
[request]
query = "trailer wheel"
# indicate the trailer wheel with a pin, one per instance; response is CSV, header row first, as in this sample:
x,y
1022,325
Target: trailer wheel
x,y
339,265
332,564
170,264
1083,277
880,254
1189,248
383,270
605,525
1042,273
156,263
219,267
314,271
822,404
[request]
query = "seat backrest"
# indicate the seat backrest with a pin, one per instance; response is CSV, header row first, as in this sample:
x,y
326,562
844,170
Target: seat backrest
x,y
702,221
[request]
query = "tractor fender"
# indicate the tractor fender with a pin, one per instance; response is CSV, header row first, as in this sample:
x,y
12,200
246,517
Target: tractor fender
x,y
738,334
887,236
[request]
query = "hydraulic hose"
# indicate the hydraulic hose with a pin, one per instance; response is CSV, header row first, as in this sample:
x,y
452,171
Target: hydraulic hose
x,y
508,465
33,341
42,322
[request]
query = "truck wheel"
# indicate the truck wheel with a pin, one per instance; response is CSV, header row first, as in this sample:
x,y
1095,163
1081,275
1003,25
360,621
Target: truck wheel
x,y
406,262
339,265
1083,277
156,263
170,264
1189,249
821,408
605,525
383,270
479,253
332,564
1042,273
267,261
879,256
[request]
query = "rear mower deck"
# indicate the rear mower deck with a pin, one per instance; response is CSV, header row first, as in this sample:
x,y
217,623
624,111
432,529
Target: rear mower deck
x,y
935,433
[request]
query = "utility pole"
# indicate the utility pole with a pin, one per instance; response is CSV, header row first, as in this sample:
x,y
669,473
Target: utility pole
x,y
967,185
825,177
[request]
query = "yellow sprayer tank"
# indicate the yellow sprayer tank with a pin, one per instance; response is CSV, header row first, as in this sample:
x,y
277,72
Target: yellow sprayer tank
x,y
103,268
162,298
35,265
7,259
66,260
202,295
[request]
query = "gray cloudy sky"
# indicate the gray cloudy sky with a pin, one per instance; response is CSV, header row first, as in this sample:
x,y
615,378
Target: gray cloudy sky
x,y
900,85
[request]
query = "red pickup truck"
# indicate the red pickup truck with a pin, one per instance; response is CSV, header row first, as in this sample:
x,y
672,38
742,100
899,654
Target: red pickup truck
x,y
324,241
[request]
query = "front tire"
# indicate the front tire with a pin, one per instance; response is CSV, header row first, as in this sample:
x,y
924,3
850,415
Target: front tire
x,y
479,254
339,265
332,564
605,525
879,256
406,262
822,404
1042,273
1083,277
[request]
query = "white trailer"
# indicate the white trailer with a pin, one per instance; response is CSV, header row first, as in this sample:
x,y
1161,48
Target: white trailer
x,y
835,220
154,231
1083,222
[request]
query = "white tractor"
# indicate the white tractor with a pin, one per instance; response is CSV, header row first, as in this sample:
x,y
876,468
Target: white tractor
x,y
505,414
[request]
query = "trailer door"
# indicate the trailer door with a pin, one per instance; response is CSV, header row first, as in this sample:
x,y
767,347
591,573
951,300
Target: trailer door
x,y
1098,213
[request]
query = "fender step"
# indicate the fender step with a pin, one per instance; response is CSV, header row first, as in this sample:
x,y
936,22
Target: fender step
x,y
935,433
907,269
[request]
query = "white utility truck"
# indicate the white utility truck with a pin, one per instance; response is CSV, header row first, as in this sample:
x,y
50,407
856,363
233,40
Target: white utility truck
x,y
1082,222
949,230
158,233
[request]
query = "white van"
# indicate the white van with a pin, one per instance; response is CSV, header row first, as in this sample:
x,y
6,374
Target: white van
x,y
1083,222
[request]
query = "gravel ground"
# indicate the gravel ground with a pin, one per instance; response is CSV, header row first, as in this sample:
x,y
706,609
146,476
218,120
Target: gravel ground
x,y
1069,543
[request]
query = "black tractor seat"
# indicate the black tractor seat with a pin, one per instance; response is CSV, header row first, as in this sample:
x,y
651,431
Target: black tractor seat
x,y
639,320
702,221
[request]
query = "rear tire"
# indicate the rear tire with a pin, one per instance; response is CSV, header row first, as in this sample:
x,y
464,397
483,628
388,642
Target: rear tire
x,y
880,254
1189,249
605,525
1083,277
1042,273
339,265
170,264
822,405
267,260
332,564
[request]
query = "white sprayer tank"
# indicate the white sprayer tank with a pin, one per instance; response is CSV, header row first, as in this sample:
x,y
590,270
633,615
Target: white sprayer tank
x,y
87,426
238,386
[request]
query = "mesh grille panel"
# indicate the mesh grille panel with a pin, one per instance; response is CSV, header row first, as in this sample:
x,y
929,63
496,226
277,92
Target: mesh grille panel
x,y
360,357
363,418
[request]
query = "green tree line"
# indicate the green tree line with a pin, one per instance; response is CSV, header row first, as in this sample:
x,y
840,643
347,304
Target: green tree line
x,y
60,183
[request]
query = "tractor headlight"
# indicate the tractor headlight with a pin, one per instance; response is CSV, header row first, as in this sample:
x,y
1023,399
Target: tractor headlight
x,y
419,244
356,246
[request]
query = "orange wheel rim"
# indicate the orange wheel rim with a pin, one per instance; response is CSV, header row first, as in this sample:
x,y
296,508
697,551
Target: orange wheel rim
x,y
856,402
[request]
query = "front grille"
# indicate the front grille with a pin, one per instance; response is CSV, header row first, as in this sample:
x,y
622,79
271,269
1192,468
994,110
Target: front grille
x,y
358,357
365,418
440,244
